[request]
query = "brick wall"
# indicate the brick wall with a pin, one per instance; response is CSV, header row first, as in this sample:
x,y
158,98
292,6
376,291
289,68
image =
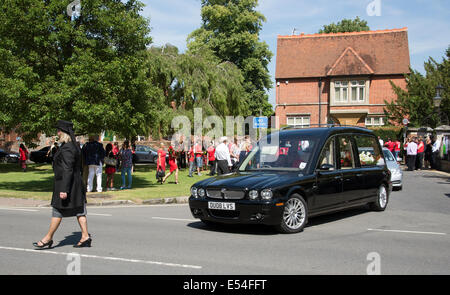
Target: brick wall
x,y
300,96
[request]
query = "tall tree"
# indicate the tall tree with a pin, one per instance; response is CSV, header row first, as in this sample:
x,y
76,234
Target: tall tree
x,y
88,69
416,102
231,30
195,80
346,25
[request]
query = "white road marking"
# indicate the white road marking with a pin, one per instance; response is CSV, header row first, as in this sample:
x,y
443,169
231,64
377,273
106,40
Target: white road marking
x,y
19,209
407,231
174,219
98,214
104,258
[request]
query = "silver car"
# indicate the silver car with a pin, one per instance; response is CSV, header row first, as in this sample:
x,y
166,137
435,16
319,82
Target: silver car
x,y
394,167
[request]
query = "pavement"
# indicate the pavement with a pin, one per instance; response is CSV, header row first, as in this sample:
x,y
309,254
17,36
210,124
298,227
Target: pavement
x,y
411,237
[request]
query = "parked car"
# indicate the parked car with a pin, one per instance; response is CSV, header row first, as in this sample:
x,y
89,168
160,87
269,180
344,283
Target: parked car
x,y
145,154
40,156
300,174
394,167
9,157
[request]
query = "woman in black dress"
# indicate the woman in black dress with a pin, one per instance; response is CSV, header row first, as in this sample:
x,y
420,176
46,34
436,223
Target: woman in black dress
x,y
69,191
428,153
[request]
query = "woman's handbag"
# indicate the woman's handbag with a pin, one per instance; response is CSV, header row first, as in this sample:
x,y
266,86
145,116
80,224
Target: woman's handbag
x,y
160,174
110,161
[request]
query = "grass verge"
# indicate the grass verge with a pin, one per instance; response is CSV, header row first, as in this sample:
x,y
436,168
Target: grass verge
x,y
37,183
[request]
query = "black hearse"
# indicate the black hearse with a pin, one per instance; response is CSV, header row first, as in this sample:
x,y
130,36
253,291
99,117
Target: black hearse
x,y
294,174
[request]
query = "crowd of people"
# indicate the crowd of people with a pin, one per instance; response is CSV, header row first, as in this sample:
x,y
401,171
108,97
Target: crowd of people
x,y
418,152
219,157
421,153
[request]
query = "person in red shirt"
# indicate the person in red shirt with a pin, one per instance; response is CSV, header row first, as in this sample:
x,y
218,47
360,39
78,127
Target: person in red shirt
x,y
191,158
390,145
212,158
397,148
198,157
161,162
23,157
172,165
420,153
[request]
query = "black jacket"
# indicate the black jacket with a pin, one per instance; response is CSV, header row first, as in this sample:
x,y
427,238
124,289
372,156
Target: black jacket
x,y
93,153
68,178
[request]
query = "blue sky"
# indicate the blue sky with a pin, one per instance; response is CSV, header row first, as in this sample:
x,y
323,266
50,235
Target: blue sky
x,y
428,22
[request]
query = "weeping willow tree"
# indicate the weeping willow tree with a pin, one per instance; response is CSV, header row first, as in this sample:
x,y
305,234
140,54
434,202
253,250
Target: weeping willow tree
x,y
190,81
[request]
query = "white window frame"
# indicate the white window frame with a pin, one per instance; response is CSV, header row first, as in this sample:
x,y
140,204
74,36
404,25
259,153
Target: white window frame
x,y
360,83
299,121
370,121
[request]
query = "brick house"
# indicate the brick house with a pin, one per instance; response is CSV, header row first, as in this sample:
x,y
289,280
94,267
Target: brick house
x,y
344,75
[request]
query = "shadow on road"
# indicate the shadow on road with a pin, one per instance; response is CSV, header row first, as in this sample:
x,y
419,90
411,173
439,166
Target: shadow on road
x,y
270,230
247,229
73,239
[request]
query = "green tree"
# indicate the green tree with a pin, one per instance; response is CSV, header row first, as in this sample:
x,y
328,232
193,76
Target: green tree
x,y
195,80
90,69
416,102
231,30
346,25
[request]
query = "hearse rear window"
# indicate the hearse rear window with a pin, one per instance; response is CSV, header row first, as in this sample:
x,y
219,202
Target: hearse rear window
x,y
369,151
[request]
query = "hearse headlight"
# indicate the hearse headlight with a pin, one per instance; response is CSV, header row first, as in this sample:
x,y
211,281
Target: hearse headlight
x,y
253,194
194,192
201,192
266,194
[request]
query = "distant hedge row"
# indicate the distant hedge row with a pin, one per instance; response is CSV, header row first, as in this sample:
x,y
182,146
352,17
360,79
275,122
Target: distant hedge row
x,y
392,132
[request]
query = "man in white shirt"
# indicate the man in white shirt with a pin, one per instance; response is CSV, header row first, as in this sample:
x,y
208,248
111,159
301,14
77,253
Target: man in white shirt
x,y
411,152
223,157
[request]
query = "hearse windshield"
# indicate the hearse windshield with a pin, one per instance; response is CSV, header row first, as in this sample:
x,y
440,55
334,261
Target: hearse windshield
x,y
288,152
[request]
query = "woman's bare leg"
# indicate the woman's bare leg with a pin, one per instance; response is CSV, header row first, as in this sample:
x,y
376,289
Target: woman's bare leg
x,y
54,224
82,221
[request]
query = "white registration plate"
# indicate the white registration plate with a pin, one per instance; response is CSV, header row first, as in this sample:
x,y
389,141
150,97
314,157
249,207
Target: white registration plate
x,y
221,206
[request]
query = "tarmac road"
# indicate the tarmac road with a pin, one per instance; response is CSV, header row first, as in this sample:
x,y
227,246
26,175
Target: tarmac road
x,y
411,237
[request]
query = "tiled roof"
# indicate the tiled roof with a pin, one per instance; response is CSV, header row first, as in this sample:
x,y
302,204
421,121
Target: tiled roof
x,y
338,54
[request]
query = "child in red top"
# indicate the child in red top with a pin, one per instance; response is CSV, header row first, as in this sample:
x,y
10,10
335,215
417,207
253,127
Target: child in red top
x,y
212,159
172,164
161,161
191,156
23,157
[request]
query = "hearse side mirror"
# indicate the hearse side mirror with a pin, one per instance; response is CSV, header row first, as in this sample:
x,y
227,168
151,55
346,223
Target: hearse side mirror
x,y
326,167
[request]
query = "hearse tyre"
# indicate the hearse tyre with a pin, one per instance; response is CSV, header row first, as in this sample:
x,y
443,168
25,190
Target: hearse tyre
x,y
382,199
295,215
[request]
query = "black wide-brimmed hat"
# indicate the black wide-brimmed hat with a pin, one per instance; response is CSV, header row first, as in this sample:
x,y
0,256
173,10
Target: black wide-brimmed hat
x,y
65,126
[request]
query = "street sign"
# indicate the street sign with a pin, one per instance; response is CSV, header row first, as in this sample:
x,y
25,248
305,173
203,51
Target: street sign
x,y
405,121
260,122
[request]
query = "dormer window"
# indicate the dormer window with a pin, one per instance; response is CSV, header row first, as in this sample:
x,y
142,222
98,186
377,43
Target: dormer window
x,y
349,91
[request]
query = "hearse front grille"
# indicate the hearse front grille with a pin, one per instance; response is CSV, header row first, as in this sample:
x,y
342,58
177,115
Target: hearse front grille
x,y
225,194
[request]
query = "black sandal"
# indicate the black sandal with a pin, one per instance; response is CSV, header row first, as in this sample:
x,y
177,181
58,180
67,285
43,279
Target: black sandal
x,y
49,244
86,243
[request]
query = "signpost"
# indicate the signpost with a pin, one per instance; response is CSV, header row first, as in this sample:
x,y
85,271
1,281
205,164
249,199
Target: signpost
x,y
260,123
